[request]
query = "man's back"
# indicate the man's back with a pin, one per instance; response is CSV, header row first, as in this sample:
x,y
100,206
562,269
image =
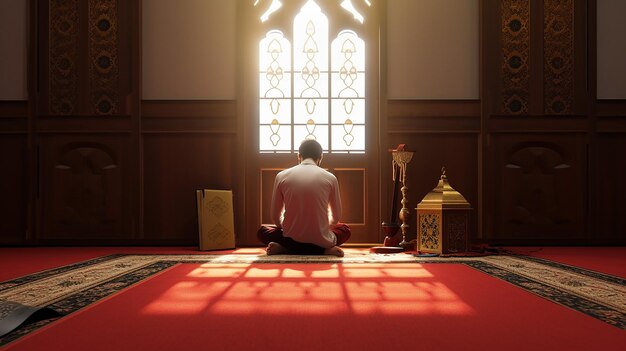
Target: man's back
x,y
307,191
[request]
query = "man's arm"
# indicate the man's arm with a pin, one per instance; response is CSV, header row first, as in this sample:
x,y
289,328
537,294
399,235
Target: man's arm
x,y
277,206
335,202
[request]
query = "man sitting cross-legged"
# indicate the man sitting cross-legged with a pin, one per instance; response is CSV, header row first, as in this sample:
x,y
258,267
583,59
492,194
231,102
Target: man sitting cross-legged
x,y
305,192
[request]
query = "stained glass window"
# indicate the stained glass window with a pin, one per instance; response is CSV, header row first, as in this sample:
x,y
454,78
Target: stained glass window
x,y
321,95
275,116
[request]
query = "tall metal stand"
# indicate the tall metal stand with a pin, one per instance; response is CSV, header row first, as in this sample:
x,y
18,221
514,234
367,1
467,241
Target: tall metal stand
x,y
402,159
399,159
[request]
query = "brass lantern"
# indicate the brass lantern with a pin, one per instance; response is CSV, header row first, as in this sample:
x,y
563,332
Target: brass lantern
x,y
443,220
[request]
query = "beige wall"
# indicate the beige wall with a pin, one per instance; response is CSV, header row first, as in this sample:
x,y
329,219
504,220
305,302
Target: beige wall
x,y
611,49
189,49
13,49
433,49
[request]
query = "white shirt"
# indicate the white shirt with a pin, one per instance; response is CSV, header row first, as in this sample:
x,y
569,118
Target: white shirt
x,y
306,192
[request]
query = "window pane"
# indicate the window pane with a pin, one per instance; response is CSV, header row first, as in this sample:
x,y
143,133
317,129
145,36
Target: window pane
x,y
315,109
279,109
275,137
317,132
353,109
313,88
270,86
348,92
348,46
348,65
348,137
347,87
274,54
274,92
295,96
310,52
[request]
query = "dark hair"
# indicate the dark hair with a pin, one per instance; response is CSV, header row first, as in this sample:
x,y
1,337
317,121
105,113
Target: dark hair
x,y
310,149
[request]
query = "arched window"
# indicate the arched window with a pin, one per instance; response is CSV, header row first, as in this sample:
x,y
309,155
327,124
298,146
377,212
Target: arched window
x,y
313,89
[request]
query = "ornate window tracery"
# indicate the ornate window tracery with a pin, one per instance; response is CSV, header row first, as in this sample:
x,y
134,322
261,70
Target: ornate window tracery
x,y
313,89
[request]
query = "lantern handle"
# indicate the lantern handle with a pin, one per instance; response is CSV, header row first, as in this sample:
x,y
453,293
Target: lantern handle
x,y
443,172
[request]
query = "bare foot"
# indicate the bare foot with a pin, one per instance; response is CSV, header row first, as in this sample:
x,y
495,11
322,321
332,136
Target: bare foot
x,y
275,249
334,251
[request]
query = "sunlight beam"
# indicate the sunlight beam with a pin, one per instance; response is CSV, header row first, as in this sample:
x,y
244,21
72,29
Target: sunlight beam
x,y
274,6
348,6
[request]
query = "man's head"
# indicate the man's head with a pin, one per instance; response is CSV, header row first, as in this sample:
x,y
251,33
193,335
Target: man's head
x,y
310,149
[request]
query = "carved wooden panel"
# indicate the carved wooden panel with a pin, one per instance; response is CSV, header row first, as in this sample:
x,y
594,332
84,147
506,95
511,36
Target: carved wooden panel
x,y
429,230
456,228
103,57
175,166
88,48
64,27
14,189
515,71
558,40
85,187
537,187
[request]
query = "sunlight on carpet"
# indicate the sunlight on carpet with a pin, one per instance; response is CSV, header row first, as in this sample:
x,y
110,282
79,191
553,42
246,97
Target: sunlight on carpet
x,y
332,289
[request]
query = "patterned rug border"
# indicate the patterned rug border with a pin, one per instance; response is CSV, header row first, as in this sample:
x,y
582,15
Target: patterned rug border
x,y
8,284
93,294
579,270
561,297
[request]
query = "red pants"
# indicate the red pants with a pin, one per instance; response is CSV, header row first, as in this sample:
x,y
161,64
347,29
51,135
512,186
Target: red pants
x,y
268,234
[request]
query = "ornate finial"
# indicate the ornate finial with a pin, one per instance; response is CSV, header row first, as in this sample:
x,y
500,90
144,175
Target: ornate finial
x,y
443,173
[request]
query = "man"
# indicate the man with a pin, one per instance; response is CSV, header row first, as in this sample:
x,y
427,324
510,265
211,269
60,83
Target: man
x,y
301,200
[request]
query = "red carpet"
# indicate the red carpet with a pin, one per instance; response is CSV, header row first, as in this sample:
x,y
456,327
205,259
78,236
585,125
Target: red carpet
x,y
608,260
325,307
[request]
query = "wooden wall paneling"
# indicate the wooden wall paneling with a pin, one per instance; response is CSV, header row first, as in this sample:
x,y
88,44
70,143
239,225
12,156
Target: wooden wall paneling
x,y
610,188
442,133
15,173
84,186
613,124
590,74
537,189
267,186
175,165
187,145
610,109
13,110
217,116
353,191
14,188
129,85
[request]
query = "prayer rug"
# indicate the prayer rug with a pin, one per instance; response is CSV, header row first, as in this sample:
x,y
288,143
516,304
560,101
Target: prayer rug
x,y
69,288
